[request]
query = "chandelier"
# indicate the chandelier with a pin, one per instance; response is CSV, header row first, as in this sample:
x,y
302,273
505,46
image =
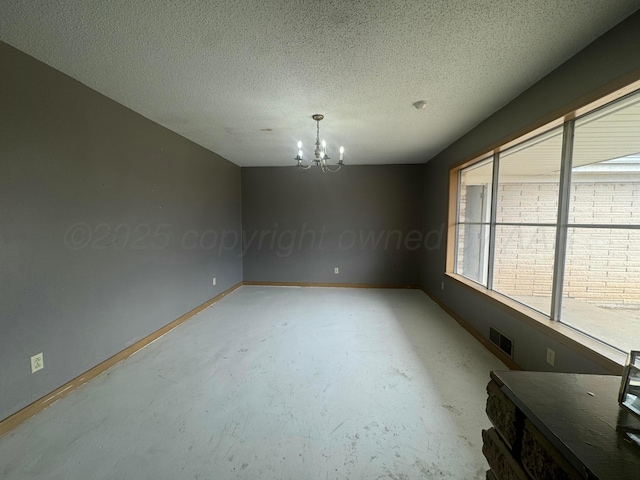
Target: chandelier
x,y
320,153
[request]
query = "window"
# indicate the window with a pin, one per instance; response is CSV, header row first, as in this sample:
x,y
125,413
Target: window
x,y
473,219
601,288
526,217
553,222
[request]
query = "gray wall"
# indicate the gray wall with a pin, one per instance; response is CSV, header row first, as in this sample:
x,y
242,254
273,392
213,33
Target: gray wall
x,y
112,226
300,225
95,202
610,57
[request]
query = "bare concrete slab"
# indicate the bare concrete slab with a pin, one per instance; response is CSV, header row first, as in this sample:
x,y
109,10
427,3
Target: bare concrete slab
x,y
277,383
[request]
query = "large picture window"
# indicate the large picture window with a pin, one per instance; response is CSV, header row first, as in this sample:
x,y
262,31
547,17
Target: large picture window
x,y
553,222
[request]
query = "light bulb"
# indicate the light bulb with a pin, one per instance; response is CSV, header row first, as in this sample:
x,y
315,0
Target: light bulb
x,y
299,144
341,150
324,144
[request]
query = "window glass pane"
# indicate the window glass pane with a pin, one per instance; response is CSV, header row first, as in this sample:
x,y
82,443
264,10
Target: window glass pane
x,y
528,180
474,208
474,199
473,252
606,166
523,268
601,294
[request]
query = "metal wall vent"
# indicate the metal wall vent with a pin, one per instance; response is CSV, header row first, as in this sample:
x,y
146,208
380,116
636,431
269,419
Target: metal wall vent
x,y
501,341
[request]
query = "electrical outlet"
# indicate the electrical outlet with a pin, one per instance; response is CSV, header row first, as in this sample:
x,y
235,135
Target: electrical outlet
x,y
551,357
214,281
336,270
37,362
441,285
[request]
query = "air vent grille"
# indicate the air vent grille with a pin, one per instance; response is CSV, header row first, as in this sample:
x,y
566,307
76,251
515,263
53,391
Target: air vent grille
x,y
501,341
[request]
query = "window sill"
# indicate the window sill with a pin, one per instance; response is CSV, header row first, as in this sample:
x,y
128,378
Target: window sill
x,y
605,356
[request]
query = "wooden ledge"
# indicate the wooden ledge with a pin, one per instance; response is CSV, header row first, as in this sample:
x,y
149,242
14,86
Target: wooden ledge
x,y
604,355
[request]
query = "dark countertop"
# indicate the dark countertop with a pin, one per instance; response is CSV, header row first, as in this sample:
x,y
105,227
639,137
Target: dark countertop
x,y
579,415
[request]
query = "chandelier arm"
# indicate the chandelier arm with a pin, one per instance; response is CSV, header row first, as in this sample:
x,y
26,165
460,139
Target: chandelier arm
x,y
302,168
330,170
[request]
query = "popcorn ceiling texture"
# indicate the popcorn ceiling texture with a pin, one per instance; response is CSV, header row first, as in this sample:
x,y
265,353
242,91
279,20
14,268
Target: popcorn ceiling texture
x,y
242,78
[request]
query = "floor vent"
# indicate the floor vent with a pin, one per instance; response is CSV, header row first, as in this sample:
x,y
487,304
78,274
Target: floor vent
x,y
503,343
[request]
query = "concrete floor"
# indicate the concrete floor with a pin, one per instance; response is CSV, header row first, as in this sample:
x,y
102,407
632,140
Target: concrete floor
x,y
277,383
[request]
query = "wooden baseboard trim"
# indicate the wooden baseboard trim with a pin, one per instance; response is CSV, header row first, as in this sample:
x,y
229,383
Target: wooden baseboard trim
x,y
485,342
29,411
326,285
608,357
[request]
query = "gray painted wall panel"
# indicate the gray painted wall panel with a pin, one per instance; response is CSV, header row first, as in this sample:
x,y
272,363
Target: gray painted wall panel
x,y
610,57
311,222
112,226
100,209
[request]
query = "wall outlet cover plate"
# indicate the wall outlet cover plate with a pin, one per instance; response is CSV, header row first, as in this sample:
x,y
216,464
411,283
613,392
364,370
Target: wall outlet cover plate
x,y
37,362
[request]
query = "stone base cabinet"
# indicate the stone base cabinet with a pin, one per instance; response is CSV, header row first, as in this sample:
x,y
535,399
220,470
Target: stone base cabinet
x,y
553,426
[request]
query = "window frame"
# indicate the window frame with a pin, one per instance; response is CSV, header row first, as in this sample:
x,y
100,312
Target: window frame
x,y
605,355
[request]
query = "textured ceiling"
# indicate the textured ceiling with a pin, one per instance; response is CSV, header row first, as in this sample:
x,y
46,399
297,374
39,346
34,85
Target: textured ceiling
x,y
242,78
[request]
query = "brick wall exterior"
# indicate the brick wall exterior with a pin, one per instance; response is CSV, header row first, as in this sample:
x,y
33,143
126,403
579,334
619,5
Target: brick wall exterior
x,y
603,265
